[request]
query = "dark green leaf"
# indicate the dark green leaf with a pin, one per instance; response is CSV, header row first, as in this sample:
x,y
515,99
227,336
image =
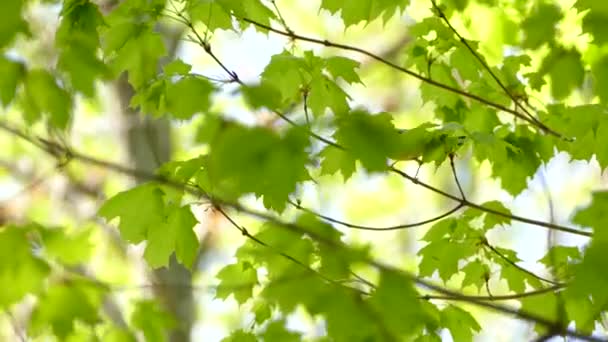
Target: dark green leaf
x,y
139,209
237,280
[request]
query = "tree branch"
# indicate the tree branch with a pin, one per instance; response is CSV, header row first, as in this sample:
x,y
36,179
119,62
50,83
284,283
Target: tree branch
x,y
462,200
422,78
494,298
361,227
483,63
55,150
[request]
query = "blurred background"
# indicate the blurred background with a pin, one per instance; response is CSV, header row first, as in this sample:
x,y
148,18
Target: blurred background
x,y
34,188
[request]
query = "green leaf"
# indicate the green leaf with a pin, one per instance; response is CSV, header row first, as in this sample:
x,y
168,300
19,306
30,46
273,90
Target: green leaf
x,y
210,128
64,304
257,160
599,72
398,304
211,13
586,124
369,138
539,26
237,280
451,228
460,323
588,282
181,171
12,22
443,256
342,67
335,160
139,209
68,248
334,302
442,73
262,95
295,77
188,96
240,336
152,320
276,331
365,10
290,243
325,93
492,220
251,9
284,73
516,278
580,310
544,306
177,67
44,96
562,83
21,271
594,21
139,57
262,312
595,215
12,73
441,229
561,259
514,155
475,273
78,41
174,235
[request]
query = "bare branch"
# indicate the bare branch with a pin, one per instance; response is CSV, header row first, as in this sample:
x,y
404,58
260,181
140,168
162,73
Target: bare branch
x,y
361,227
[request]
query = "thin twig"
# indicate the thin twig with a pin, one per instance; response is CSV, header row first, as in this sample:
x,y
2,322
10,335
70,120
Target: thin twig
x,y
500,297
512,263
490,210
451,156
281,19
305,100
246,233
361,227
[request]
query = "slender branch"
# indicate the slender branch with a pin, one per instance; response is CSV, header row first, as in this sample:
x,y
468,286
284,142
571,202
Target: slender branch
x,y
361,227
385,331
512,263
281,19
561,313
485,65
494,298
490,210
462,200
451,156
305,100
246,233
206,46
54,149
422,78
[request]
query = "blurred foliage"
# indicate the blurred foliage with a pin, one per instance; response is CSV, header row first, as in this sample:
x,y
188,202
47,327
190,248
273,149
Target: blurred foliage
x,y
503,83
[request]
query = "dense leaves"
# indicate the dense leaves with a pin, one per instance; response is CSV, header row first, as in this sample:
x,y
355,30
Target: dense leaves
x,y
493,102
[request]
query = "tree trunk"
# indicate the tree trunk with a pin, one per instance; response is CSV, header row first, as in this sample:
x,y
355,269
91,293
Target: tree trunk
x,y
149,145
